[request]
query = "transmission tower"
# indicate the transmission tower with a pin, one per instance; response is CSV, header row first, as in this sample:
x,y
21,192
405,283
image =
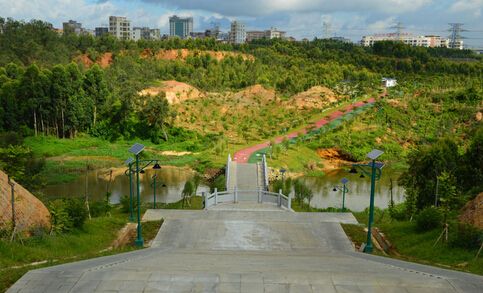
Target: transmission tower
x,y
399,30
455,37
327,28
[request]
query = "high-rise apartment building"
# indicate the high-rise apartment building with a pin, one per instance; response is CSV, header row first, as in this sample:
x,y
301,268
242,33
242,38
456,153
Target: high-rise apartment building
x,y
72,27
101,30
120,27
237,33
180,26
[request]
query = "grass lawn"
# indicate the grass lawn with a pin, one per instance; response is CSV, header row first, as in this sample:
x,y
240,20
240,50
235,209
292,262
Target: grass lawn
x,y
66,159
416,246
88,242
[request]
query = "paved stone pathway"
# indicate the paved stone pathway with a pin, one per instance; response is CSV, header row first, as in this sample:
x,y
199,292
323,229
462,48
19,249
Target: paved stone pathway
x,y
247,251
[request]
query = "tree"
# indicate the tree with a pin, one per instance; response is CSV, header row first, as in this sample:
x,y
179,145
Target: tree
x,y
33,91
425,164
95,88
156,114
187,192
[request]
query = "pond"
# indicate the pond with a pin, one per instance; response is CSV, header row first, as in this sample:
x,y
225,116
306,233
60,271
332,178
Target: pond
x,y
357,199
172,178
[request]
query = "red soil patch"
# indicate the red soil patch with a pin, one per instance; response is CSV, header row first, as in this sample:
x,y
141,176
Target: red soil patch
x,y
317,97
252,93
104,60
176,92
182,54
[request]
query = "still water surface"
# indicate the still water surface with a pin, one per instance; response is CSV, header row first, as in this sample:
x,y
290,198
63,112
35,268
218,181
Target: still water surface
x,y
97,184
357,198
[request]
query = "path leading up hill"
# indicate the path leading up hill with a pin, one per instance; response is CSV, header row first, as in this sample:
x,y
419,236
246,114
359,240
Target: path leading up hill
x,y
243,155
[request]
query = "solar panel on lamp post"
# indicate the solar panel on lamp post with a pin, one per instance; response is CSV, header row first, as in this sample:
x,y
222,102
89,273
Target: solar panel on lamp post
x,y
136,149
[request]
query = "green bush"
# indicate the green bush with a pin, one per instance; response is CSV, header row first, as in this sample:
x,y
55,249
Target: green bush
x,y
59,217
465,236
99,208
77,211
125,204
398,212
67,214
428,219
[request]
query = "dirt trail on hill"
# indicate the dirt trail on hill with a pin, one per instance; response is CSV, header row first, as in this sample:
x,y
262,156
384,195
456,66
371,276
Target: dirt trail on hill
x,y
242,156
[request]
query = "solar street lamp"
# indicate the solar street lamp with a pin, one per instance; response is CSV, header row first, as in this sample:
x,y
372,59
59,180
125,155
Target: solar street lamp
x,y
375,173
344,189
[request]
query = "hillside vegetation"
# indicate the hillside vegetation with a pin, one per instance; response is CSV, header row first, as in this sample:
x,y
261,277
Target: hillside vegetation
x,y
211,98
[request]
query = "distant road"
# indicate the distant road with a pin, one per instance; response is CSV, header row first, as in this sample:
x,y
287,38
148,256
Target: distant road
x,y
242,156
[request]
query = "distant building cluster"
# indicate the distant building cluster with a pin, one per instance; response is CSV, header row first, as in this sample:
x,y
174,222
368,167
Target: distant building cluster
x,y
429,41
180,27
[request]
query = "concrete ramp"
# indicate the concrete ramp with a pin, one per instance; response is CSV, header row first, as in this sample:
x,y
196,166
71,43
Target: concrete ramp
x,y
271,232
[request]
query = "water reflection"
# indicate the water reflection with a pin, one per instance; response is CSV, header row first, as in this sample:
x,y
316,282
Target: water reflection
x,y
359,190
98,183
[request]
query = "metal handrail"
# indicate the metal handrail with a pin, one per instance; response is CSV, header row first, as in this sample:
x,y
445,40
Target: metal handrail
x,y
212,199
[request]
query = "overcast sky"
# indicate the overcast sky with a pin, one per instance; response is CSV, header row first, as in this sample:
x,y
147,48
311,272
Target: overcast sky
x,y
300,18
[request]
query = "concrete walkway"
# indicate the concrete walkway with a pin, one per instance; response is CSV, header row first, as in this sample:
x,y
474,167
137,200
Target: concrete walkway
x,y
247,251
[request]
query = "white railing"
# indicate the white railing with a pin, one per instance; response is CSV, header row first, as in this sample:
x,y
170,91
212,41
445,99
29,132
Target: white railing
x,y
227,171
258,195
265,170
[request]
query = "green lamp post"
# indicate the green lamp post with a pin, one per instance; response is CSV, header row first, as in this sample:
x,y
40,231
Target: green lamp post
x,y
128,173
153,185
375,173
136,149
344,190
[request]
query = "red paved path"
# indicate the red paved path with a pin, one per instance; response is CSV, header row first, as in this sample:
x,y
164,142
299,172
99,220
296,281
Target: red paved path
x,y
243,155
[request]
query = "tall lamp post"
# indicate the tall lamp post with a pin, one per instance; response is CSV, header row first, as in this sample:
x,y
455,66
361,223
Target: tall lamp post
x,y
283,175
136,149
375,173
153,185
344,190
129,172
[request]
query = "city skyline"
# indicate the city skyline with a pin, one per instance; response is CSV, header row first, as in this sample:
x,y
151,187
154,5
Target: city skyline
x,y
300,19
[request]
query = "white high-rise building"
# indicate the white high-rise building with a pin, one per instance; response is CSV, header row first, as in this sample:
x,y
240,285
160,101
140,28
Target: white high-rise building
x,y
120,27
237,33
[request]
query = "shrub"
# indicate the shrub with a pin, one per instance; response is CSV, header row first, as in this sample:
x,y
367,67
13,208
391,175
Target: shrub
x,y
59,217
100,208
428,219
125,204
67,214
465,236
77,211
398,212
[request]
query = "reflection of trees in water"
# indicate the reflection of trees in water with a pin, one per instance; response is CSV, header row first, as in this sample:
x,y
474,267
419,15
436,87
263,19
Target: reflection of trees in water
x,y
359,190
174,178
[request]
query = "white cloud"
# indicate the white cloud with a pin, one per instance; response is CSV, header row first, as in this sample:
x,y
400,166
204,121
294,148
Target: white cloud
x,y
382,24
258,8
473,6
